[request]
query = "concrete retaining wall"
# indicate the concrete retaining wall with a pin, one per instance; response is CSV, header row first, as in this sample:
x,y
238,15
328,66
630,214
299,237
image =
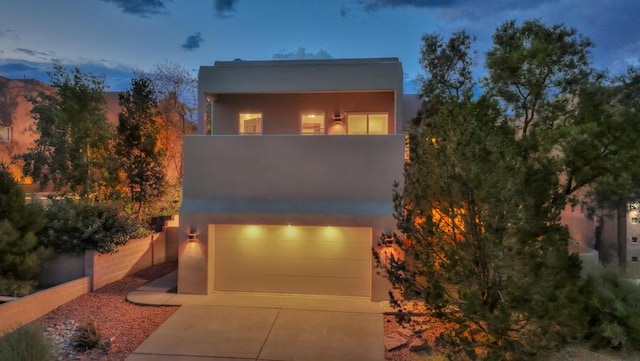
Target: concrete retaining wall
x,y
136,255
62,268
30,308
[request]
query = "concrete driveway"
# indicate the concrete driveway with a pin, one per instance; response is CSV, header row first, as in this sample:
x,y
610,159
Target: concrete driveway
x,y
246,326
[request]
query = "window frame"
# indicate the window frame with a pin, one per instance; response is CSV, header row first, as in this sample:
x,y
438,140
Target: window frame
x,y
9,132
368,114
261,125
324,122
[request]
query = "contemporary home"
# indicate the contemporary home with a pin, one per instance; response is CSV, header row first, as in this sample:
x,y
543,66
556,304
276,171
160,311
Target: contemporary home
x,y
288,185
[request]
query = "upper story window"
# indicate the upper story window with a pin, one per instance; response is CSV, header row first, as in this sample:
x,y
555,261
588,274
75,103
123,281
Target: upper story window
x,y
5,133
312,124
250,123
367,123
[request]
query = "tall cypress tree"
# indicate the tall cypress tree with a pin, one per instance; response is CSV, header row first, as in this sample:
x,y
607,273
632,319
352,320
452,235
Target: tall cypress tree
x,y
138,132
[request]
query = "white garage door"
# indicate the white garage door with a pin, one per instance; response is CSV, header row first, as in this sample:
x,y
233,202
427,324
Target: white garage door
x,y
293,259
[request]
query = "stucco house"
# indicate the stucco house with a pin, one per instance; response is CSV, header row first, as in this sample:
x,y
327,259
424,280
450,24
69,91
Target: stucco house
x,y
288,185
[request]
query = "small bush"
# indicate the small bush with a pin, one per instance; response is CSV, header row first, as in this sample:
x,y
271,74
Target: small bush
x,y
26,343
16,288
87,336
75,226
611,312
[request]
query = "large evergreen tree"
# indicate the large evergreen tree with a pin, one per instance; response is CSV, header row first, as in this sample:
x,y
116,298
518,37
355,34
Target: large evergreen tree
x,y
21,254
489,174
138,133
73,133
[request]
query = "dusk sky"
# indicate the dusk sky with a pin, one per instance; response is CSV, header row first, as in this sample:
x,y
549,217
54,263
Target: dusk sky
x,y
113,37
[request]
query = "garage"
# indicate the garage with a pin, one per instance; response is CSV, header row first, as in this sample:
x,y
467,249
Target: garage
x,y
323,260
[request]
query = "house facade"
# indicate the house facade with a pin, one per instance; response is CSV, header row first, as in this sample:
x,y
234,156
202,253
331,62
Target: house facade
x,y
287,187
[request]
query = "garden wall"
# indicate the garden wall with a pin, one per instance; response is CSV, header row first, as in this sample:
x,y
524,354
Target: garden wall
x,y
29,308
136,255
62,268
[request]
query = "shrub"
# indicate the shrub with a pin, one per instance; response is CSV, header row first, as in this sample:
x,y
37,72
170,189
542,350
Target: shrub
x,y
75,226
26,343
610,312
16,288
86,336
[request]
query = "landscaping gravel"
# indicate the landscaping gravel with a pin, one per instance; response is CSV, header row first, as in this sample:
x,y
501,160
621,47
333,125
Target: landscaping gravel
x,y
123,325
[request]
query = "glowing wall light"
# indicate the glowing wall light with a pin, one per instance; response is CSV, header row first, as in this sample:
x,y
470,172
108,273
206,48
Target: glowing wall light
x,y
192,234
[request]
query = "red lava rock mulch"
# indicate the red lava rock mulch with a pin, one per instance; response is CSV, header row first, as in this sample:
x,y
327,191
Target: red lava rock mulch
x,y
127,325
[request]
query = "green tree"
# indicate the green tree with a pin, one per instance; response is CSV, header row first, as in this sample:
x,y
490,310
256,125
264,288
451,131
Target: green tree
x,y
487,179
73,133
177,90
21,254
139,152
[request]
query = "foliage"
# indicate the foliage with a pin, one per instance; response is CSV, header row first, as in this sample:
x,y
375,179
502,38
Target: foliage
x,y
73,133
177,90
86,336
138,150
21,254
16,288
27,343
609,308
489,174
75,226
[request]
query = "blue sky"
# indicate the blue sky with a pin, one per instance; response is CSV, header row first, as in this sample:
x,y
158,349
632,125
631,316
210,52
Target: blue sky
x,y
113,37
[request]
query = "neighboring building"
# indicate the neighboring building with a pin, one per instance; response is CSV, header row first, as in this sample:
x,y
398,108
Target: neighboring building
x,y
292,188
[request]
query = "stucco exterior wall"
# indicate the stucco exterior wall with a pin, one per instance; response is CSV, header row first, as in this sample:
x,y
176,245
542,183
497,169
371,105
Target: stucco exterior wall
x,y
331,171
281,113
279,180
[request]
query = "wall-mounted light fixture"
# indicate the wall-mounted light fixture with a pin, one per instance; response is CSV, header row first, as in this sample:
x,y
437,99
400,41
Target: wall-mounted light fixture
x,y
192,234
337,126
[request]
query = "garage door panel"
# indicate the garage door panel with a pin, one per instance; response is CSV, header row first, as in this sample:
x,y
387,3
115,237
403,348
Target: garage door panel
x,y
293,259
347,286
295,266
304,248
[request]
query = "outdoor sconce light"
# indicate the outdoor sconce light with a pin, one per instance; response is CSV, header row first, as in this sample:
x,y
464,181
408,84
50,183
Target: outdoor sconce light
x,y
192,235
337,127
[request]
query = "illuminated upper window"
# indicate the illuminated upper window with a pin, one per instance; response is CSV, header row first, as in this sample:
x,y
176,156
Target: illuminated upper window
x,y
250,123
312,124
371,123
5,133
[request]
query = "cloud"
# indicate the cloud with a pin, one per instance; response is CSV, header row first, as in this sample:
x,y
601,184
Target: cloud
x,y
141,8
44,55
457,9
117,78
302,54
224,8
373,5
192,42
